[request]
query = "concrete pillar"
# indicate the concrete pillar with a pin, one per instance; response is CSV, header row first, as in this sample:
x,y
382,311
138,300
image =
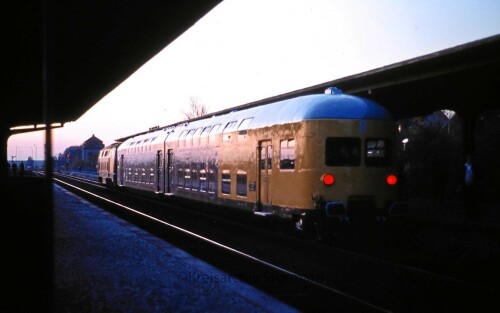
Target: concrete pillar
x,y
4,136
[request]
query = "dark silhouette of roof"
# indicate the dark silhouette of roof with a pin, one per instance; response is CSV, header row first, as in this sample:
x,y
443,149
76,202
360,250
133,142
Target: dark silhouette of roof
x,y
93,143
63,57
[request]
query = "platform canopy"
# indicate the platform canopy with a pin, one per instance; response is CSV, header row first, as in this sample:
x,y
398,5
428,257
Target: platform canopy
x,y
462,78
70,54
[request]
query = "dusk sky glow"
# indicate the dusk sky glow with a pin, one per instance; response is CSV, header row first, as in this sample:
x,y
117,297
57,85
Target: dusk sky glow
x,y
246,50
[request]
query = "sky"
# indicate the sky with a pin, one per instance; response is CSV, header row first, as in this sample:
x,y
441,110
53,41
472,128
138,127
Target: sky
x,y
247,50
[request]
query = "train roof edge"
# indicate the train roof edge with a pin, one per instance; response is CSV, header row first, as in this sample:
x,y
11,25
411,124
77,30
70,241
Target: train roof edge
x,y
332,105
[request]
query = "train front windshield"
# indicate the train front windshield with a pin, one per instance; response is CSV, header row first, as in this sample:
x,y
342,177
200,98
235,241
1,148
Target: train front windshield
x,y
378,152
346,151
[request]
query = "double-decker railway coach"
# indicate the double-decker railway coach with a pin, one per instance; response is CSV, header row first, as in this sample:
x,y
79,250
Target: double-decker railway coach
x,y
325,156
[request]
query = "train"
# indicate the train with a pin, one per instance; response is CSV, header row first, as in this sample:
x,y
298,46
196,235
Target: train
x,y
308,160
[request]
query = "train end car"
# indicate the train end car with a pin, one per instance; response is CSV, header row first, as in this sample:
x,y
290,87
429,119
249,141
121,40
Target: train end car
x,y
309,160
106,165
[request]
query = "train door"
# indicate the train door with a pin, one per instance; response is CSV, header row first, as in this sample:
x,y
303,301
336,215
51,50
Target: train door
x,y
265,166
169,170
122,171
159,171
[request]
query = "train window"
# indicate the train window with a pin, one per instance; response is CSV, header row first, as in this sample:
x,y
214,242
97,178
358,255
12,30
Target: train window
x,y
211,181
204,135
243,129
196,137
189,137
180,178
262,158
287,154
226,182
203,180
213,132
343,151
226,136
206,130
245,123
187,179
378,152
182,138
266,157
241,184
195,183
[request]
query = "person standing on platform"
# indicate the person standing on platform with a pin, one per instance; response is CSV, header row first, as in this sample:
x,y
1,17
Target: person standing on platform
x,y
470,203
14,169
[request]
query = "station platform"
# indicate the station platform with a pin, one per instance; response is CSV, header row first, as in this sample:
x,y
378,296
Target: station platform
x,y
104,264
76,257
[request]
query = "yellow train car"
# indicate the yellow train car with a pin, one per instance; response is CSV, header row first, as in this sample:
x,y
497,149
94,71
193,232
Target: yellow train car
x,y
315,157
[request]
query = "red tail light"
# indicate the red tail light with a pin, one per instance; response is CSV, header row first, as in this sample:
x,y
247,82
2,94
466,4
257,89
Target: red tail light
x,y
391,180
328,179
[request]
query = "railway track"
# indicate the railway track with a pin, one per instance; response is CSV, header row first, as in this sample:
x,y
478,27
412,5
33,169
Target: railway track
x,y
308,275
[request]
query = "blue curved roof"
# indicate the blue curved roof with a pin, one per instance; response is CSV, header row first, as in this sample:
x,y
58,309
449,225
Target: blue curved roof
x,y
310,107
322,106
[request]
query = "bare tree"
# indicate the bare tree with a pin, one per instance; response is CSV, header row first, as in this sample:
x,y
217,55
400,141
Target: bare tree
x,y
196,109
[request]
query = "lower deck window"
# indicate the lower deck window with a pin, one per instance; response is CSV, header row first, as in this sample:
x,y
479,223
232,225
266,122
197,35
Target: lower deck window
x,y
151,176
187,179
203,181
241,184
195,182
180,178
211,181
226,183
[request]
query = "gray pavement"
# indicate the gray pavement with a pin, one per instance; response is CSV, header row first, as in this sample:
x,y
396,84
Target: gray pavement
x,y
104,264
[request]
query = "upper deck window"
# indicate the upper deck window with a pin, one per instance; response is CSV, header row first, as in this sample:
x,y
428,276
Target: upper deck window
x,y
213,133
378,152
243,129
196,137
343,151
189,137
204,135
182,138
226,136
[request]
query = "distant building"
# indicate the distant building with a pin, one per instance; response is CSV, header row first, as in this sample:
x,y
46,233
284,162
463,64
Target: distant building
x,y
90,149
83,156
